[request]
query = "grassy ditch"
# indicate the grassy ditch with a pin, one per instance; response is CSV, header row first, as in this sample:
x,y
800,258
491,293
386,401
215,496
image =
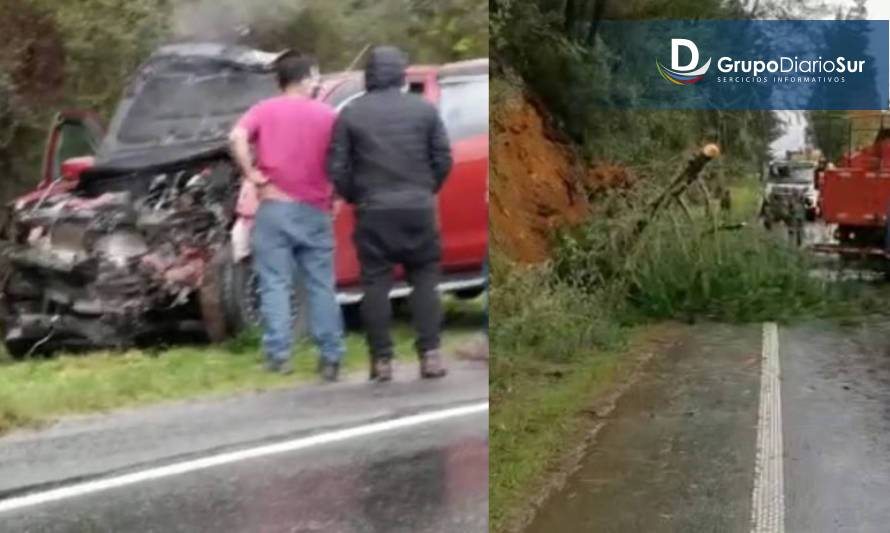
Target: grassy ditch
x,y
543,361
553,351
40,390
543,412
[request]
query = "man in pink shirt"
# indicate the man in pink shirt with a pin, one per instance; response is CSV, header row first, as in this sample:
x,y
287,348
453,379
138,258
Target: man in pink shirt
x,y
293,232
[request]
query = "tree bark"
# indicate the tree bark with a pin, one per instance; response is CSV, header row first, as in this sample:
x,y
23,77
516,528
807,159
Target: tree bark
x,y
599,7
569,18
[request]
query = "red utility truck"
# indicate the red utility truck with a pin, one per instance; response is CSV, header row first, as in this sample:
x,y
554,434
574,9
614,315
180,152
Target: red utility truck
x,y
855,195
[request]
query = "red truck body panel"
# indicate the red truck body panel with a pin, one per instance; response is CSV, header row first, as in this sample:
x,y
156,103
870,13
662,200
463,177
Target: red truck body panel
x,y
858,192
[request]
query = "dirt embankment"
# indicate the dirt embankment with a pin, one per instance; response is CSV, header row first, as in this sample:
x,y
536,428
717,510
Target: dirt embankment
x,y
538,181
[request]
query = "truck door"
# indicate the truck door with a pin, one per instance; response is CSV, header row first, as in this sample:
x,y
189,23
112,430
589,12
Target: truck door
x,y
463,206
72,134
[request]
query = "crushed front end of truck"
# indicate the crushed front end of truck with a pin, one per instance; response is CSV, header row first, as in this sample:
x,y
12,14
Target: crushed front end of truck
x,y
118,259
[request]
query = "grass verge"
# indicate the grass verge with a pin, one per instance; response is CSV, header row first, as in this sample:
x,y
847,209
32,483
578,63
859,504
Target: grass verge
x,y
549,350
40,390
545,415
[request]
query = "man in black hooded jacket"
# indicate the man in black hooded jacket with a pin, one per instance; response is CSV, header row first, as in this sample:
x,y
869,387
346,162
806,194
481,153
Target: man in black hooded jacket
x,y
389,156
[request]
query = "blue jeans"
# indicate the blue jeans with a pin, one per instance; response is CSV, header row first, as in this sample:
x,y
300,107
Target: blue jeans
x,y
289,238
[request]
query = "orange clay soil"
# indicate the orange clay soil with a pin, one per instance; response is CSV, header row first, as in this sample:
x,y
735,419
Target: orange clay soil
x,y
538,183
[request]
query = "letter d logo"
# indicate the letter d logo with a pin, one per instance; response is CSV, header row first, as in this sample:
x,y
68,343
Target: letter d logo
x,y
683,74
675,55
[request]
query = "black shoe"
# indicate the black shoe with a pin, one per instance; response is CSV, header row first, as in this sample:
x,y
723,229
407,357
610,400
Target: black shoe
x,y
328,371
381,369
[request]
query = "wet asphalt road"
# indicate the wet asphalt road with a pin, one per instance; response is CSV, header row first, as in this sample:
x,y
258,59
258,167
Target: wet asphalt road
x,y
678,453
431,477
836,409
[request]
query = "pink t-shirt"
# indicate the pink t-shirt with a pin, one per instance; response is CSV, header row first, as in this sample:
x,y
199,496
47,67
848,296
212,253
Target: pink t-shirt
x,y
291,135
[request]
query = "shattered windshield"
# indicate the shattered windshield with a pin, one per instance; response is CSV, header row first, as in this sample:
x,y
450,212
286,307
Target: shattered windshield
x,y
182,101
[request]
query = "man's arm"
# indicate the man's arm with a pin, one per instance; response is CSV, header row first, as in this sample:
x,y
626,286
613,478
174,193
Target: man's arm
x,y
340,160
440,151
239,142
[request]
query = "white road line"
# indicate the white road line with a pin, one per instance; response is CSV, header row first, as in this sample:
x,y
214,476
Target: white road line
x,y
89,487
768,499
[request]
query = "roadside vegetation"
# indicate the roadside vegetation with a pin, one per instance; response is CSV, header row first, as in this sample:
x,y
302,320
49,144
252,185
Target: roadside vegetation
x,y
39,391
565,330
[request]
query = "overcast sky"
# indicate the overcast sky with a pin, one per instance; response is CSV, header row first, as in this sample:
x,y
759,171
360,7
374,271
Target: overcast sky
x,y
878,9
793,137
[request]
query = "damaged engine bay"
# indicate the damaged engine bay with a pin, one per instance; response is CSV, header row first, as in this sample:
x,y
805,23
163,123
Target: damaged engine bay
x,y
138,245
119,258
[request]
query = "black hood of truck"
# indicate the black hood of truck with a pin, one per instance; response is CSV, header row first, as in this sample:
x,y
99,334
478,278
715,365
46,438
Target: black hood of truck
x,y
125,162
183,102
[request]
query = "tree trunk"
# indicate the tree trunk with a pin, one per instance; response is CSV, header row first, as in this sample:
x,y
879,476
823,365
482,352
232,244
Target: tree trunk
x,y
569,18
598,7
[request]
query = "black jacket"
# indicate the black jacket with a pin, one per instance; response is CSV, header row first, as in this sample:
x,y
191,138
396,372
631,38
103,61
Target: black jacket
x,y
389,149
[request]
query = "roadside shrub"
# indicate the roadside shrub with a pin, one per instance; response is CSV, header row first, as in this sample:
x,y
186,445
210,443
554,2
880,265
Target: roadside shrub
x,y
737,276
535,314
693,268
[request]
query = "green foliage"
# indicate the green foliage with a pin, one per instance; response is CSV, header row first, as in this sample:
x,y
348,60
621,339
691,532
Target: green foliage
x,y
105,40
31,65
538,407
546,356
829,131
574,81
734,276
535,314
725,267
335,32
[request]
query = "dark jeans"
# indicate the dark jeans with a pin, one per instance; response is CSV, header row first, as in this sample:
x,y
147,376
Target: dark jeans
x,y
385,238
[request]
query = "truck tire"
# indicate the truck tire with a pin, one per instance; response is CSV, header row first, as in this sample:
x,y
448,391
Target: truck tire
x,y
14,289
240,298
210,295
18,350
469,294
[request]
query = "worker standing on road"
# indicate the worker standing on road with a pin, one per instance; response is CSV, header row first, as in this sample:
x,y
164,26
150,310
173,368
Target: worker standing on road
x,y
389,157
290,134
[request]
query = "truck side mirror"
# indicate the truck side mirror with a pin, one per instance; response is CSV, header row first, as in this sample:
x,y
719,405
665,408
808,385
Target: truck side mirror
x,y
72,135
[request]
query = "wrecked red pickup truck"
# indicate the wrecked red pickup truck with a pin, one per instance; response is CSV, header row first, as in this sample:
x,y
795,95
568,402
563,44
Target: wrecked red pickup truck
x,y
141,232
